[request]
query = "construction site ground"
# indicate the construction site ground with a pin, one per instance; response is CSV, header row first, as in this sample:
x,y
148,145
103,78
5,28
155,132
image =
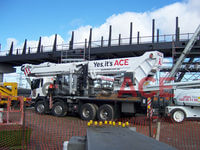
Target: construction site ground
x,y
49,132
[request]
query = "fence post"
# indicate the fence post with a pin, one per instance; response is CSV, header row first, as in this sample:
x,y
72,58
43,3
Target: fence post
x,y
149,113
158,131
23,124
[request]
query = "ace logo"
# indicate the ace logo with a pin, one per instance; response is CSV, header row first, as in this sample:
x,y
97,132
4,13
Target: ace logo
x,y
121,62
162,87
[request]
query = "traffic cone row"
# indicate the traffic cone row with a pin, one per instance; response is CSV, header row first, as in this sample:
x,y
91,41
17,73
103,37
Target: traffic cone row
x,y
109,123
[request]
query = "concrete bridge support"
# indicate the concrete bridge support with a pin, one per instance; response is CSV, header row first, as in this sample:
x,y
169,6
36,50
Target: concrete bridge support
x,y
4,68
1,77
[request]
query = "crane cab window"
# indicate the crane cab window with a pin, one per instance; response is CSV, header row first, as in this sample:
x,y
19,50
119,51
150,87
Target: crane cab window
x,y
64,79
35,83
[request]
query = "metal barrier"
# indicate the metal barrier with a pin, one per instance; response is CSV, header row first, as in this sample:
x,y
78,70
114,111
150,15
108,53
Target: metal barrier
x,y
13,133
8,110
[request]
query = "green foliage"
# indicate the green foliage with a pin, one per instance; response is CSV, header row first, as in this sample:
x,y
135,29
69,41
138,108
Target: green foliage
x,y
14,139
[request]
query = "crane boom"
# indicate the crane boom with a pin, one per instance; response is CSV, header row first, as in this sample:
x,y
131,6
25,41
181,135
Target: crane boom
x,y
143,66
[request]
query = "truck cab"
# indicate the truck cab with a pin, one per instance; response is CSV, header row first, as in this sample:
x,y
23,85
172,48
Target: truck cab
x,y
39,87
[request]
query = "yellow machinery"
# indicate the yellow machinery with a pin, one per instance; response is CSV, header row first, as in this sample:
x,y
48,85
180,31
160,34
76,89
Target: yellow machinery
x,y
8,89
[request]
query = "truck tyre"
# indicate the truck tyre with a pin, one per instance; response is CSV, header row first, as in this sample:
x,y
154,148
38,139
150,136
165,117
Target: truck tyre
x,y
96,107
41,107
59,109
105,112
178,115
88,112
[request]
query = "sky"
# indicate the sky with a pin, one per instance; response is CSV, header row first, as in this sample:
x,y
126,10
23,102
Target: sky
x,y
30,19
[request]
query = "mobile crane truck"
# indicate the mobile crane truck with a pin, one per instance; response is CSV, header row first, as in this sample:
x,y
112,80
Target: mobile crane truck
x,y
101,89
107,88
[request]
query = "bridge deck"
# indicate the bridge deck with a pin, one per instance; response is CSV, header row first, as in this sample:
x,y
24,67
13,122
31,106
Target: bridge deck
x,y
101,52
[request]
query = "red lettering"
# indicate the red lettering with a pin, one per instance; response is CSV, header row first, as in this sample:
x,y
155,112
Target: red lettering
x,y
126,62
121,62
116,63
141,83
160,62
123,91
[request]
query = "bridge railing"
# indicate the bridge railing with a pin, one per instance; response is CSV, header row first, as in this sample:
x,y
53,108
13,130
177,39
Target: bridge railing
x,y
102,43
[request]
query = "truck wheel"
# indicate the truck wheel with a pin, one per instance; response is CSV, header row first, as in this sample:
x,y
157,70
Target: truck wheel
x,y
59,109
178,115
105,112
40,107
96,107
88,112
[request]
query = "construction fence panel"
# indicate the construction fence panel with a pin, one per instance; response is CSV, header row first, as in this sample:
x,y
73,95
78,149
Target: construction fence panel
x,y
41,132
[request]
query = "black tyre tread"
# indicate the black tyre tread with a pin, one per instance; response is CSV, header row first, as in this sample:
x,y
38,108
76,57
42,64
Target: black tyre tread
x,y
172,113
64,112
92,110
109,108
45,105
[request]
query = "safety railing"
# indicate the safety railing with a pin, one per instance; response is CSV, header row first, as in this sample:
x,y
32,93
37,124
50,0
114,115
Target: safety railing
x,y
102,43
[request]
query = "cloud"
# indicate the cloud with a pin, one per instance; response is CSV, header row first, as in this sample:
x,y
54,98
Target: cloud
x,y
187,11
9,41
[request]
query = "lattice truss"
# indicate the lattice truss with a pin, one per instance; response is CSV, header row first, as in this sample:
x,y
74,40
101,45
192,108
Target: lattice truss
x,y
189,70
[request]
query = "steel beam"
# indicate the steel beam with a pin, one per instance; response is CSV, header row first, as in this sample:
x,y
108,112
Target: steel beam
x,y
180,77
110,36
29,50
177,30
85,48
90,39
153,30
182,70
71,43
11,49
158,35
119,40
101,41
131,33
24,48
138,37
55,44
39,46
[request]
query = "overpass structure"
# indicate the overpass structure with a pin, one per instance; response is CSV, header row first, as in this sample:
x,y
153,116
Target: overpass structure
x,y
172,45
